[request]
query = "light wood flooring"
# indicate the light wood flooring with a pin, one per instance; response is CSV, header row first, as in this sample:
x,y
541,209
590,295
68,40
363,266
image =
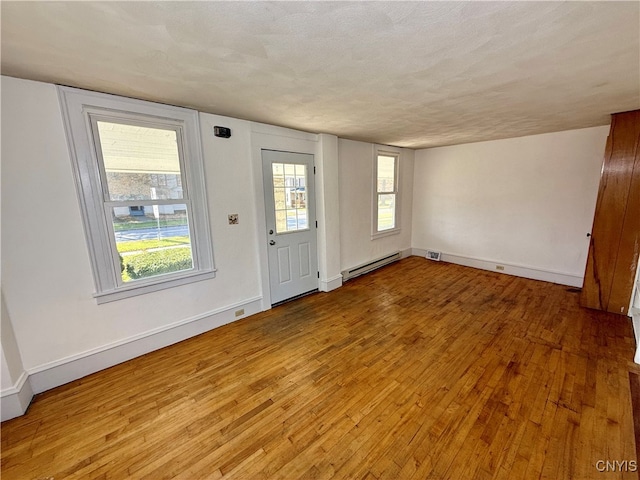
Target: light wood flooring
x,y
420,370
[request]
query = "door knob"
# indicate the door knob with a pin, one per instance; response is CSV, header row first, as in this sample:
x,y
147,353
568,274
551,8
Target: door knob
x,y
272,242
588,235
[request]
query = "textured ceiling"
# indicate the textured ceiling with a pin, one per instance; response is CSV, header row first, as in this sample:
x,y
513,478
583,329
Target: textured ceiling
x,y
414,74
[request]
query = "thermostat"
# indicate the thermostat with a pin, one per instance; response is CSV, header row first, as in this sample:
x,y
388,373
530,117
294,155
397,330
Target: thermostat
x,y
223,132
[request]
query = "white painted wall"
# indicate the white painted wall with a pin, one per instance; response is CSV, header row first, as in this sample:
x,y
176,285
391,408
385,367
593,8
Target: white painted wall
x,y
15,391
634,312
47,283
328,212
525,203
356,192
12,367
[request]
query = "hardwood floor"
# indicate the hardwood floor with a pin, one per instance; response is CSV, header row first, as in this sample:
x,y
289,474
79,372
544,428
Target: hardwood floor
x,y
418,370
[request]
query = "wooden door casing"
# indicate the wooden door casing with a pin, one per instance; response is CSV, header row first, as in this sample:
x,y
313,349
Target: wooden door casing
x,y
615,237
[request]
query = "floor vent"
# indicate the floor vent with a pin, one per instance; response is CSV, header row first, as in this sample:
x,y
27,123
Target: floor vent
x,y
432,255
368,267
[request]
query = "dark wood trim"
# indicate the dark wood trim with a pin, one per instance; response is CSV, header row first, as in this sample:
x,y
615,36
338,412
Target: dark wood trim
x,y
615,234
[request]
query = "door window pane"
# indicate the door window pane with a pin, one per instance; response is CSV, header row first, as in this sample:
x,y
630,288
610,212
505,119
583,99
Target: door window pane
x,y
140,163
152,240
290,197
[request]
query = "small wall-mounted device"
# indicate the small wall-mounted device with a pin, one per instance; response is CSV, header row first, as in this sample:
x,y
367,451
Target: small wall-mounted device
x,y
223,132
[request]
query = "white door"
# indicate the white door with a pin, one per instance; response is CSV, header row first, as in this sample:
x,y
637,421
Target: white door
x,y
291,223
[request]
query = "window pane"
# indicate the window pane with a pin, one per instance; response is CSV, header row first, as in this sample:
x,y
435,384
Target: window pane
x,y
141,163
280,198
386,173
290,197
152,240
292,221
386,211
281,221
302,219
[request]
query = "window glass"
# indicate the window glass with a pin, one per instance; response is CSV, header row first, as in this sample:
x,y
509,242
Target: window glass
x,y
386,211
386,193
152,240
386,173
290,195
140,163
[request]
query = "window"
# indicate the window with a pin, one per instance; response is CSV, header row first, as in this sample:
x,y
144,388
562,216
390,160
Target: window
x,y
289,193
140,180
385,202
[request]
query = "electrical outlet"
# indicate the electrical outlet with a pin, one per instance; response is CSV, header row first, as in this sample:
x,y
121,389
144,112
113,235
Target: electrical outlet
x,y
499,267
233,219
240,312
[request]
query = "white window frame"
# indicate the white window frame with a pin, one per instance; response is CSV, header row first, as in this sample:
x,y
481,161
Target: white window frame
x,y
391,152
79,109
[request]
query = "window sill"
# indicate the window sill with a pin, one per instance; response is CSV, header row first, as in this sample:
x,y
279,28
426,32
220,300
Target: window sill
x,y
129,291
385,233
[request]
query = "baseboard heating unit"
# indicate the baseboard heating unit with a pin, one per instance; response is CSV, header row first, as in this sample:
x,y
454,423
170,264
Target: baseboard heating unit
x,y
368,267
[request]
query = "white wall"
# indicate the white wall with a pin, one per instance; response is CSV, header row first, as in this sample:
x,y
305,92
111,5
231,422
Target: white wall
x,y
634,312
328,212
525,203
356,190
61,332
12,367
15,392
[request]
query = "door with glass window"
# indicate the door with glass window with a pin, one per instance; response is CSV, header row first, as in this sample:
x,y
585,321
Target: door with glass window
x,y
291,223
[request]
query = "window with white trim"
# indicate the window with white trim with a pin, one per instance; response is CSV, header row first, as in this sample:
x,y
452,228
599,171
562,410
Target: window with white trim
x,y
385,202
140,180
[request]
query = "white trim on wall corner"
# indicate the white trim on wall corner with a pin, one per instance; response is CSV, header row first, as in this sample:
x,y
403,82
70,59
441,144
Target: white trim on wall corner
x,y
331,283
22,379
524,271
15,400
65,370
635,320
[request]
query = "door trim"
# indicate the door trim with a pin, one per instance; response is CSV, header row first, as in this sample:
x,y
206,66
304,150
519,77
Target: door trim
x,y
268,137
300,276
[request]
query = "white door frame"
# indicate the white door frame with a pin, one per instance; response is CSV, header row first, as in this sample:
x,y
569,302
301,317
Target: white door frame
x,y
269,137
290,242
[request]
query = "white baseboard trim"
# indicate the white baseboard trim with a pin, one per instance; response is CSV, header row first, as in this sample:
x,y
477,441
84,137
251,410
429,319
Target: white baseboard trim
x,y
59,372
14,401
524,271
407,252
331,283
